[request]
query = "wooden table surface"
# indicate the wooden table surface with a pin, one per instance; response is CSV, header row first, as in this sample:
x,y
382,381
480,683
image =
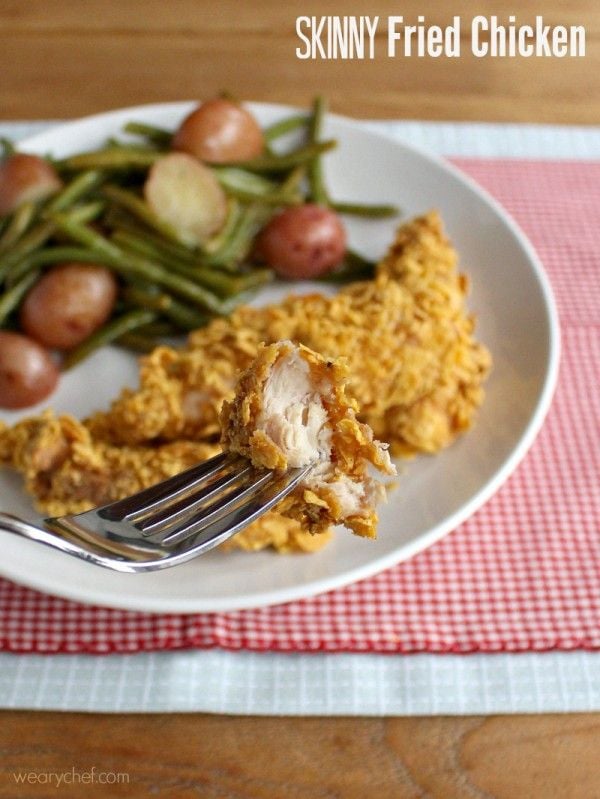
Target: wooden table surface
x,y
65,58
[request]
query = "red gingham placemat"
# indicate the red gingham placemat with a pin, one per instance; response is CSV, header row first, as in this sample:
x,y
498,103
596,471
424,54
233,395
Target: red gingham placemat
x,y
522,574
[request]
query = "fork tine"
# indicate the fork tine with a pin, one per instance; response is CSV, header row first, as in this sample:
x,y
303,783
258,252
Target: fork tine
x,y
121,547
132,508
171,512
216,509
208,536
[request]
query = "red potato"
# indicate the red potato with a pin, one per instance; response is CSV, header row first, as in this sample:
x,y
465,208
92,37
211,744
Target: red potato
x,y
220,131
303,242
25,178
68,304
187,196
27,372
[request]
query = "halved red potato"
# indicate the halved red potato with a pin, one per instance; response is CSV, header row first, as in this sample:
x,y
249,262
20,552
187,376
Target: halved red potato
x,y
186,195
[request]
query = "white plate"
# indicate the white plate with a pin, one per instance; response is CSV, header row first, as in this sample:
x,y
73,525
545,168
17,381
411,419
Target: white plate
x,y
516,318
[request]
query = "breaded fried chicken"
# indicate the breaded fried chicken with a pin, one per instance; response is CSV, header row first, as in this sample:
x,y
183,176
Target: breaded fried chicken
x,y
414,369
68,471
290,410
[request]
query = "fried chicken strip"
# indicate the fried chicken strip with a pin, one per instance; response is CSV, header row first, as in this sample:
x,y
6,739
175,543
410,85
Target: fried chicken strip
x,y
290,410
414,368
68,471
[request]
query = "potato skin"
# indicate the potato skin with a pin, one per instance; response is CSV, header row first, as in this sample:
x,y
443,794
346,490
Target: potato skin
x,y
220,131
68,304
303,242
27,372
25,178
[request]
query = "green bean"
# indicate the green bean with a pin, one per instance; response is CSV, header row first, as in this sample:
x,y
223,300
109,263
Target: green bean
x,y
87,212
288,192
138,342
70,225
275,199
130,265
83,213
184,317
149,297
222,284
281,163
228,285
231,303
52,255
19,222
75,190
157,136
231,177
287,125
7,146
142,246
33,239
119,220
141,210
110,332
250,186
11,299
293,181
237,247
252,279
218,241
159,328
353,267
40,233
82,234
111,159
225,94
318,192
365,210
122,144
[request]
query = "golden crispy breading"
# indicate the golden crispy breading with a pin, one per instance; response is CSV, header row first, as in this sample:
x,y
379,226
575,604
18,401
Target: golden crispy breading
x,y
284,534
415,370
68,471
290,409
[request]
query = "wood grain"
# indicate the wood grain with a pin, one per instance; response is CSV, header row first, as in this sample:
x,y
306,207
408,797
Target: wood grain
x,y
251,758
64,58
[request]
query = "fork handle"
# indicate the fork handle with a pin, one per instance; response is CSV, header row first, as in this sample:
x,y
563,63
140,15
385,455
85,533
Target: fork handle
x,y
23,529
12,524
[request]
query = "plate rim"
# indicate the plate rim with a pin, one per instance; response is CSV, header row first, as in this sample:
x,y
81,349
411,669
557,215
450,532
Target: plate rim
x,y
97,597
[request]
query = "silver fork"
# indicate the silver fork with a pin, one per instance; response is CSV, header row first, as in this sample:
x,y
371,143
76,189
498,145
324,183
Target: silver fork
x,y
169,523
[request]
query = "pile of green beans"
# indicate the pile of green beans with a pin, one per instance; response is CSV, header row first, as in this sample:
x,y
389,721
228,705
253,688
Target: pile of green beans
x,y
166,287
